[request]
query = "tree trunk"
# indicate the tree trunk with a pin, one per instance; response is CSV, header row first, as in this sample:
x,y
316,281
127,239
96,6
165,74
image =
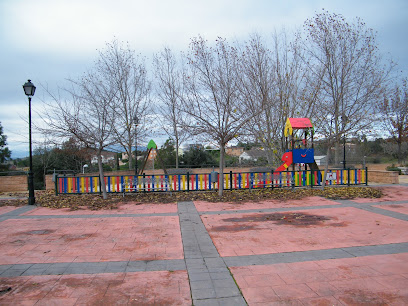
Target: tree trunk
x,y
102,176
269,155
337,152
130,157
399,143
177,152
221,174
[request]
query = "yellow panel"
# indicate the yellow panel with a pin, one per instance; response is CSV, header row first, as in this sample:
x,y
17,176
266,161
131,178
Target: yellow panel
x,y
184,182
288,128
82,184
69,180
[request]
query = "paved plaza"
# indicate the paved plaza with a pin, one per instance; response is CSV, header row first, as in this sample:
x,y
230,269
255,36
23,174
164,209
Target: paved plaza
x,y
313,251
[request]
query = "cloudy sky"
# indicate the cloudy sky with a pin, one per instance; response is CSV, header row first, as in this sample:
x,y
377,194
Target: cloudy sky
x,y
48,41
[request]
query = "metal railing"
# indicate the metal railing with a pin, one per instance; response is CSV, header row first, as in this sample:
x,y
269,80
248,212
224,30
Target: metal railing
x,y
210,181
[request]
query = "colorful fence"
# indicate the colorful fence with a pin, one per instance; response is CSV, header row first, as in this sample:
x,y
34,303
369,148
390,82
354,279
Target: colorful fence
x,y
200,182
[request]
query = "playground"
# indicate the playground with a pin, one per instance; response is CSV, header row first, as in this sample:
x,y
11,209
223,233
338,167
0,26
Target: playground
x,y
298,251
274,237
299,169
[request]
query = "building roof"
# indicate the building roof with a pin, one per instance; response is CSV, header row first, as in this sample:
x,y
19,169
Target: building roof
x,y
254,154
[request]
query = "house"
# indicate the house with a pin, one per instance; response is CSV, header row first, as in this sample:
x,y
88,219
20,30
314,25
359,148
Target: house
x,y
234,151
251,155
320,160
107,157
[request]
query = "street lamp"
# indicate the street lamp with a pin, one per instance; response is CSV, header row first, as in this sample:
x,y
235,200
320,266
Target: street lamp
x,y
344,121
29,90
136,121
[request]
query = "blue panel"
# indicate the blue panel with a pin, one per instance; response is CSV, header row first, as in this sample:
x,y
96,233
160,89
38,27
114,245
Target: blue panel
x,y
305,156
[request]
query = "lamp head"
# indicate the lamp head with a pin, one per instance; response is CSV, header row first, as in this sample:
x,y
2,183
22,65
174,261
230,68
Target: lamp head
x,y
29,88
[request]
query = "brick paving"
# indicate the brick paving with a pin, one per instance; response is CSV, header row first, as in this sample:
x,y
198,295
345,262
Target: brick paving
x,y
305,252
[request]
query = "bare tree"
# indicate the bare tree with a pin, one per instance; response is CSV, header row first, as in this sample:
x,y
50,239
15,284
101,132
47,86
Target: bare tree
x,y
345,63
85,114
212,94
257,80
126,73
394,116
275,79
169,92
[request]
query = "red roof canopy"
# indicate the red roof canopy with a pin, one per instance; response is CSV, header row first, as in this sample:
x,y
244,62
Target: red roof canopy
x,y
300,123
296,123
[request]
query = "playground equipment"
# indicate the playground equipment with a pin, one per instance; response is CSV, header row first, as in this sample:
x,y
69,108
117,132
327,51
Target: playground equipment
x,y
299,144
150,146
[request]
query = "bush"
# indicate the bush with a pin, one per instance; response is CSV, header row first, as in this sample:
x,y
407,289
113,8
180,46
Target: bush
x,y
394,168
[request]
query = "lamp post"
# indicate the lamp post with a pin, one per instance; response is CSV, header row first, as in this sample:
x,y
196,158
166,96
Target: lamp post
x,y
344,119
29,90
136,121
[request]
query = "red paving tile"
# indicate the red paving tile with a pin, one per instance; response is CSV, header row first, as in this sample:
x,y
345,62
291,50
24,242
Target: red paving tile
x,y
129,208
263,284
159,288
310,201
90,239
394,193
380,279
399,208
6,209
265,233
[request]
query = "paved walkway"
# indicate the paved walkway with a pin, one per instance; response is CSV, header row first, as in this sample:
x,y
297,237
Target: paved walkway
x,y
313,251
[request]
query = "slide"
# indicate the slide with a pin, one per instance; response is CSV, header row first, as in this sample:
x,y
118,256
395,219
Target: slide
x,y
287,158
313,166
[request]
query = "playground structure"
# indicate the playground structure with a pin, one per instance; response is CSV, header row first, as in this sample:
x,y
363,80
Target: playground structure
x,y
152,146
299,145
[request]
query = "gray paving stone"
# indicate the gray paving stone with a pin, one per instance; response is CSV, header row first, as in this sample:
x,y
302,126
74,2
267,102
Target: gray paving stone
x,y
195,262
385,212
33,271
136,266
177,264
198,270
13,272
207,302
224,283
22,266
41,266
199,276
227,291
208,274
4,268
202,294
156,265
116,266
202,284
220,275
232,301
88,270
223,269
193,254
393,248
214,262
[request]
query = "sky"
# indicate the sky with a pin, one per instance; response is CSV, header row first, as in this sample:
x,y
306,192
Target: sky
x,y
49,41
